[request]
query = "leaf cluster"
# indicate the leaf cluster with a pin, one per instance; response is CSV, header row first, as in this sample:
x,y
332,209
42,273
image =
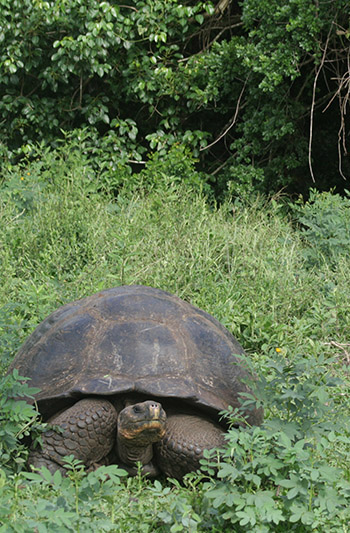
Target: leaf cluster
x,y
232,83
325,224
292,472
17,419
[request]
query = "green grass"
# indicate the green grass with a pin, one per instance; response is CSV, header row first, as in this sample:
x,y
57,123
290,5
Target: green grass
x,y
62,240
62,237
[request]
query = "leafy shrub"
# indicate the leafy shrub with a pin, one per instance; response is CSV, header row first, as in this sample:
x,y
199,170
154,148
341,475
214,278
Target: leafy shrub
x,y
325,220
284,475
243,181
17,420
95,64
268,482
174,167
73,503
298,394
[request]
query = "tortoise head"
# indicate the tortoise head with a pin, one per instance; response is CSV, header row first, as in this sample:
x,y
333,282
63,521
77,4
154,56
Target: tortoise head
x,y
142,423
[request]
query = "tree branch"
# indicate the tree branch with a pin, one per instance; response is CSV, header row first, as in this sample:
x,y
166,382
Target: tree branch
x,y
231,123
318,71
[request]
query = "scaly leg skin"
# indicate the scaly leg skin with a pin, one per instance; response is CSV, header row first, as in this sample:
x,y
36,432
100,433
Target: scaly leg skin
x,y
89,431
186,438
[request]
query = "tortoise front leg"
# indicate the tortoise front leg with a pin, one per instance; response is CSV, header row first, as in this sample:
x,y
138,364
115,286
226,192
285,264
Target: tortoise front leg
x,y
89,431
186,438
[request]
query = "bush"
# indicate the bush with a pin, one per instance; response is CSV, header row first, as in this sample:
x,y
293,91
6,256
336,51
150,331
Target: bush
x,y
325,221
17,420
292,473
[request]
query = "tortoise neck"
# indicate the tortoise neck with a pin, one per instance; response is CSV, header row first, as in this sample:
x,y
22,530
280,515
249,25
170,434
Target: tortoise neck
x,y
130,454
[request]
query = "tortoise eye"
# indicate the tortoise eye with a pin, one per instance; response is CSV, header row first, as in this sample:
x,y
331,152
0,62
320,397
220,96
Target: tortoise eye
x,y
136,409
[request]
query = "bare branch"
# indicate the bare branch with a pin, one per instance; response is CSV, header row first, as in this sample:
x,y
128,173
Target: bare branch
x,y
130,7
221,6
208,45
341,346
318,71
231,123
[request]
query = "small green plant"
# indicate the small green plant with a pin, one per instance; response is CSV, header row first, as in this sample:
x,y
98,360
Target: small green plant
x,y
175,166
243,181
269,482
17,420
52,502
181,513
298,394
325,220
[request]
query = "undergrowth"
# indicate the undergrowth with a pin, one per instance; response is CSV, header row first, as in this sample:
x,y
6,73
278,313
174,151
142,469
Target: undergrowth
x,y
280,288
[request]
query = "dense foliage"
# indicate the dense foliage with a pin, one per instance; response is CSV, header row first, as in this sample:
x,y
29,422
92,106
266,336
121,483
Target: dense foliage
x,y
280,285
239,84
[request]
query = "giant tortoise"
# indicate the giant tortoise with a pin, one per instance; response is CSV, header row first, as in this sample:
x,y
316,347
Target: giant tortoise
x,y
132,374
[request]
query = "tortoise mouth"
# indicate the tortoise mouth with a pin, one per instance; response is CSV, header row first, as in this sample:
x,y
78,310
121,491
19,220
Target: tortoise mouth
x,y
142,422
143,431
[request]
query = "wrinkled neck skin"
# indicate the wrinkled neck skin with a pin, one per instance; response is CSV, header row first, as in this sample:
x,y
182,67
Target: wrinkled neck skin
x,y
130,454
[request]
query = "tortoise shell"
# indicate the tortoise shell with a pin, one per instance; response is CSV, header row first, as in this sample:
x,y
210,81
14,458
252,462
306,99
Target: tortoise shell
x,y
133,339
